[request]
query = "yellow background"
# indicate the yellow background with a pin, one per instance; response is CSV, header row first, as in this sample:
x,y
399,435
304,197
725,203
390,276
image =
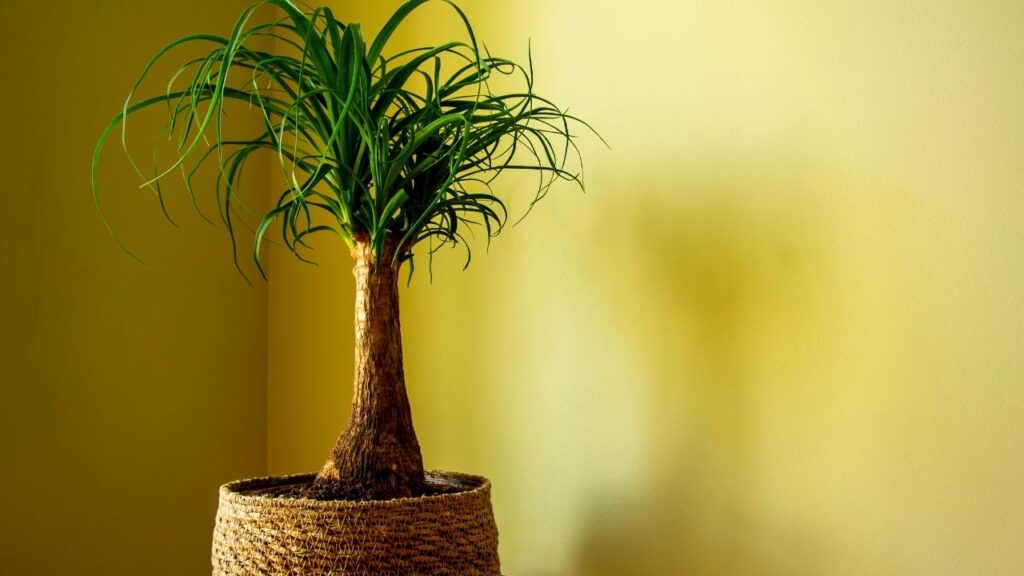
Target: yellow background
x,y
129,393
781,334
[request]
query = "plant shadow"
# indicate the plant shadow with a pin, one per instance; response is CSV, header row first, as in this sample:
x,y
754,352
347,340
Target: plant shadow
x,y
728,269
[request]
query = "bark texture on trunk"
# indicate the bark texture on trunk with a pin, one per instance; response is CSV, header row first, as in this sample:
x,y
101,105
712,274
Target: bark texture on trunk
x,y
377,456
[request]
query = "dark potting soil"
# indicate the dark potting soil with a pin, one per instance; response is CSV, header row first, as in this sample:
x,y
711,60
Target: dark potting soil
x,y
301,488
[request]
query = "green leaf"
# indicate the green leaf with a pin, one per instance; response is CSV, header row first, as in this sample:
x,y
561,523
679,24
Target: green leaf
x,y
366,151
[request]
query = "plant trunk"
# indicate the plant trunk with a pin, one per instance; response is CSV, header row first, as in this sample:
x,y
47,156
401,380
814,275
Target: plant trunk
x,y
377,456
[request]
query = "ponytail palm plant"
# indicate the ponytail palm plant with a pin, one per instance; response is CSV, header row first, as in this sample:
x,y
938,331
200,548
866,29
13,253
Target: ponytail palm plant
x,y
395,154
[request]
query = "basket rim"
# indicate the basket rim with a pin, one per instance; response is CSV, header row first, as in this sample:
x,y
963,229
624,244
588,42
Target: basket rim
x,y
234,492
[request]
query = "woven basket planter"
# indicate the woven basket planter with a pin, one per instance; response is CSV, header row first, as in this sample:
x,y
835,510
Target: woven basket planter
x,y
261,531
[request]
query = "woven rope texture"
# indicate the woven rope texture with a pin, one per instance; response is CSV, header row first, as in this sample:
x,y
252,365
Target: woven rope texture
x,y
260,531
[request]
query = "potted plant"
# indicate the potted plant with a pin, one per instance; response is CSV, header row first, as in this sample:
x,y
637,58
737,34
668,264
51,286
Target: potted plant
x,y
395,154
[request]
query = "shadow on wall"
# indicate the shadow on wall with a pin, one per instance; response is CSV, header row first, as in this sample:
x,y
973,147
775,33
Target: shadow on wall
x,y
728,268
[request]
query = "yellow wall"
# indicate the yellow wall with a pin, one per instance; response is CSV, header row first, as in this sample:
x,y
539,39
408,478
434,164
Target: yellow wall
x,y
780,335
129,393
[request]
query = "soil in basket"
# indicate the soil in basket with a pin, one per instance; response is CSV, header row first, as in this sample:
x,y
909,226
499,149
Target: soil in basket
x,y
434,486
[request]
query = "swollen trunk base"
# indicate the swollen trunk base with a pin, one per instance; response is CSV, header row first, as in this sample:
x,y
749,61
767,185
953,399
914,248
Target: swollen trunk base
x,y
377,456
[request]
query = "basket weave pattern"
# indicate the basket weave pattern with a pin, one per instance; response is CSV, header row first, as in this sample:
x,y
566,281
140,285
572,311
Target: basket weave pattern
x,y
259,534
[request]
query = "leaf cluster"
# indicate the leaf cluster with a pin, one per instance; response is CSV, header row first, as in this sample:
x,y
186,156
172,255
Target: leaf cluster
x,y
372,147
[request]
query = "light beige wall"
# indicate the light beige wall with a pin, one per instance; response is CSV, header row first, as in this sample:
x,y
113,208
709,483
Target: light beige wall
x,y
129,393
780,335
